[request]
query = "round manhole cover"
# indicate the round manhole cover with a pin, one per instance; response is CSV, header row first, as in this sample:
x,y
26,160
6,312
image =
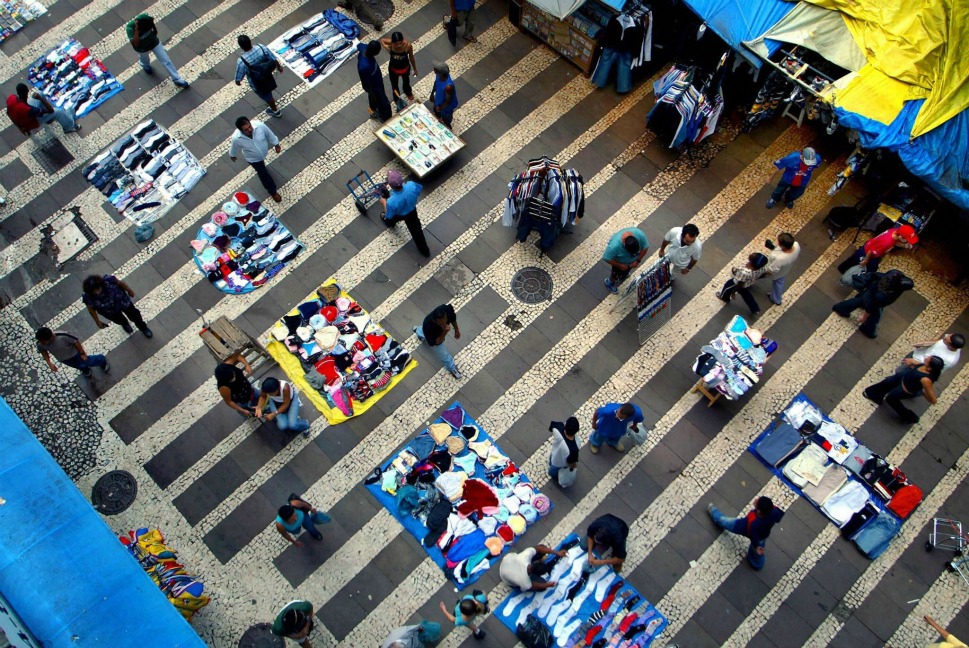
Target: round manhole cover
x,y
259,636
114,492
532,285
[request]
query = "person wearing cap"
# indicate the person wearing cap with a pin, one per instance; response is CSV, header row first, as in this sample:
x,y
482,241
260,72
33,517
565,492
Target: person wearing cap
x,y
234,387
610,422
883,291
797,167
779,263
947,347
254,139
279,402
625,250
462,12
756,526
295,621
400,204
870,254
742,279
606,541
433,332
525,570
565,449
683,247
372,80
402,63
444,95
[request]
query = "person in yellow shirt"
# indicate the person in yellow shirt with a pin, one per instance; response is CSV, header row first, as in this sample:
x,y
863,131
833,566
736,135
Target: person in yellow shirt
x,y
949,640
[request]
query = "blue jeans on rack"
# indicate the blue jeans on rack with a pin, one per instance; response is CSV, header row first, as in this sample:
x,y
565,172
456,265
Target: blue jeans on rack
x,y
624,74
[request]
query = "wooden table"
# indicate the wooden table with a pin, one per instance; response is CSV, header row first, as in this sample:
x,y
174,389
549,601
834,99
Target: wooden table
x,y
701,388
224,339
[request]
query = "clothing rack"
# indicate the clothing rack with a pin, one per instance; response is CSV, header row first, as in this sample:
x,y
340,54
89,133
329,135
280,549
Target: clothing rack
x,y
689,101
544,198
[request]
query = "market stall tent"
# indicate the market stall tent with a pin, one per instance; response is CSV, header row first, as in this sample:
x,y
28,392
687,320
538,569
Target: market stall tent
x,y
62,570
736,21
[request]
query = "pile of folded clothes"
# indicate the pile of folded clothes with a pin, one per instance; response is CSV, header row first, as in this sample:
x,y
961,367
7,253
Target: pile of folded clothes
x,y
14,14
70,77
345,356
144,172
243,246
314,49
733,362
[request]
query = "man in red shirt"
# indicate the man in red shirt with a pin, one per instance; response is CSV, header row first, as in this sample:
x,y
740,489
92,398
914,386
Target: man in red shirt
x,y
27,117
870,254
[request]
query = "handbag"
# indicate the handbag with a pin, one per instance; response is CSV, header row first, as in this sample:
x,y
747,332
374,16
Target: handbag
x,y
637,435
848,279
567,476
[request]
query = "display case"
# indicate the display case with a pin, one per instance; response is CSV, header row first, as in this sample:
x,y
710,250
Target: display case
x,y
575,38
420,141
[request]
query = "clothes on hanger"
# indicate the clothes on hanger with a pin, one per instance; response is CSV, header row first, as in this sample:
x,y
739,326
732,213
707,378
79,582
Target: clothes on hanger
x,y
544,198
627,42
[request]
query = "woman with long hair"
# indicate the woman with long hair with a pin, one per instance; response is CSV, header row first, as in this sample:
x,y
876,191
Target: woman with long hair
x,y
911,383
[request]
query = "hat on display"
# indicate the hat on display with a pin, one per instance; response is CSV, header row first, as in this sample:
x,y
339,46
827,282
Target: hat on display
x,y
506,533
326,337
503,514
209,255
542,504
199,245
517,524
342,304
455,444
529,512
304,333
280,332
253,207
242,198
512,504
809,156
488,525
220,218
330,313
524,492
470,432
394,179
440,432
907,232
329,292
318,322
453,415
209,229
230,208
495,545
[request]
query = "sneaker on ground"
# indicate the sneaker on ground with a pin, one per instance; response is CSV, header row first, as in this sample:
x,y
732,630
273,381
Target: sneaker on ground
x,y
457,374
771,203
147,332
181,84
612,287
273,113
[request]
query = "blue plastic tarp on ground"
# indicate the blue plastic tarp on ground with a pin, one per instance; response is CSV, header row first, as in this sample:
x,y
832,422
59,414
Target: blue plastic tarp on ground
x,y
62,569
736,21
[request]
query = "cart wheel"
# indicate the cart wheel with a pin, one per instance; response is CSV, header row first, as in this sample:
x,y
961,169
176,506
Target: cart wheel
x,y
928,545
950,567
360,207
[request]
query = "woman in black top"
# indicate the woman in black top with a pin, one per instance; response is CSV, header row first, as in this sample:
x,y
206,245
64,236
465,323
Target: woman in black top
x,y
911,383
883,291
234,387
402,63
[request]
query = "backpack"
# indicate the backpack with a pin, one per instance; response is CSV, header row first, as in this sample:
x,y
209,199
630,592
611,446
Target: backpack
x,y
534,634
905,500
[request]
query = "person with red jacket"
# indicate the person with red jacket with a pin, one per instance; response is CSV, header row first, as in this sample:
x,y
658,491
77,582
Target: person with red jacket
x,y
870,254
756,525
29,116
797,167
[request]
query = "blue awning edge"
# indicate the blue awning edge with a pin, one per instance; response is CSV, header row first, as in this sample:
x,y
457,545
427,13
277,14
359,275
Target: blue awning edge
x,y
736,21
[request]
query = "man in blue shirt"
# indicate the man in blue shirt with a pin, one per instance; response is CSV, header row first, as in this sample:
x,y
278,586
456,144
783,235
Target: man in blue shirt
x,y
400,204
798,167
372,80
257,65
462,12
444,95
624,251
610,422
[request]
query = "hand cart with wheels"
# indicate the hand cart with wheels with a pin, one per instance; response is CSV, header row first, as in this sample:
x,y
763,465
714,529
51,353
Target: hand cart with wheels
x,y
946,534
364,190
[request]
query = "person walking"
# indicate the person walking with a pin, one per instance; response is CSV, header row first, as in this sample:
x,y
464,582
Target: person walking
x,y
279,402
67,348
433,332
884,290
683,247
444,94
363,11
405,637
295,621
254,139
462,12
143,35
610,423
779,263
400,204
108,297
372,80
606,541
797,167
742,279
565,449
870,254
756,526
915,381
467,608
257,65
234,386
296,515
947,348
28,110
625,250
402,64
525,570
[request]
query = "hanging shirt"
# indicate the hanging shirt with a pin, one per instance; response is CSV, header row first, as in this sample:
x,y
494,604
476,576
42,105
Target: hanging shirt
x,y
255,148
440,96
404,200
680,255
940,351
796,173
616,251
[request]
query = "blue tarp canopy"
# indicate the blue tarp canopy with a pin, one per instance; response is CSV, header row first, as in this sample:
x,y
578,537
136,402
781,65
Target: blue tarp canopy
x,y
736,21
62,569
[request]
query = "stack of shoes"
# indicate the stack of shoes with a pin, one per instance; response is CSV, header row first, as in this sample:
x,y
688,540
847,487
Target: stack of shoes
x,y
72,79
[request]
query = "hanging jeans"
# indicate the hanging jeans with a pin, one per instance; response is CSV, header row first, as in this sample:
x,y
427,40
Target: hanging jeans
x,y
164,59
264,177
792,193
84,366
624,74
732,287
739,526
414,227
439,350
891,393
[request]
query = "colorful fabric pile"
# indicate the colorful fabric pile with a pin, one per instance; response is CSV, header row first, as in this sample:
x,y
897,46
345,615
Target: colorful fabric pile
x,y
244,246
161,563
14,15
337,356
454,490
734,360
316,48
70,77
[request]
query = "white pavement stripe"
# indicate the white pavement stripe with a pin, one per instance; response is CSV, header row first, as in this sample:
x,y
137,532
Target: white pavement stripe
x,y
944,601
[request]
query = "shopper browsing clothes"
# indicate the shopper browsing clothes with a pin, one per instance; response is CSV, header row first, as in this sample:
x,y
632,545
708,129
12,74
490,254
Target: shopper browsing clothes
x,y
915,381
299,515
400,204
143,35
782,256
526,570
625,251
444,94
606,541
947,348
253,139
565,449
884,290
279,402
433,332
257,66
234,386
295,621
797,167
109,297
870,254
402,63
683,247
742,279
69,350
611,422
467,608
756,525
372,80
28,110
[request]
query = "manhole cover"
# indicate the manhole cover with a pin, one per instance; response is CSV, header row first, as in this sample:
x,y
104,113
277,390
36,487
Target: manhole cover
x,y
532,285
52,156
383,8
114,492
259,636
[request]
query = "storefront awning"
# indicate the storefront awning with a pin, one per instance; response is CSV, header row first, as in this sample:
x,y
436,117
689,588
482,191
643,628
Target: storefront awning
x,y
736,21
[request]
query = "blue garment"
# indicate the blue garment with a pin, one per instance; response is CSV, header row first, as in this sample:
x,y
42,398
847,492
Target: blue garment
x,y
466,546
370,78
779,444
757,530
458,617
622,61
463,5
609,428
259,58
874,537
302,520
404,201
791,165
439,97
84,366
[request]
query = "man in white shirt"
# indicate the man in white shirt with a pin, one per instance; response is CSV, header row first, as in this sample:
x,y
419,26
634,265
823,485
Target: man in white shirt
x,y
779,263
947,348
683,247
254,139
524,570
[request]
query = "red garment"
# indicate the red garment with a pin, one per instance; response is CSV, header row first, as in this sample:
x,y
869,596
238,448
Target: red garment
x,y
327,367
905,500
798,178
376,341
477,496
879,246
19,113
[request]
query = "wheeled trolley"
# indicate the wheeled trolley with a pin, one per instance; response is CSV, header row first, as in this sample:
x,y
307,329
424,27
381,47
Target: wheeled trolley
x,y
364,190
946,534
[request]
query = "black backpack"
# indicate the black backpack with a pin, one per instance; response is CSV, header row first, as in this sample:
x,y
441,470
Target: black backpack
x,y
534,634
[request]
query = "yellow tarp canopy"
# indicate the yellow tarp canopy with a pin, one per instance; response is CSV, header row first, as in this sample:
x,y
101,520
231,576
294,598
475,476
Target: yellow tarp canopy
x,y
913,51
